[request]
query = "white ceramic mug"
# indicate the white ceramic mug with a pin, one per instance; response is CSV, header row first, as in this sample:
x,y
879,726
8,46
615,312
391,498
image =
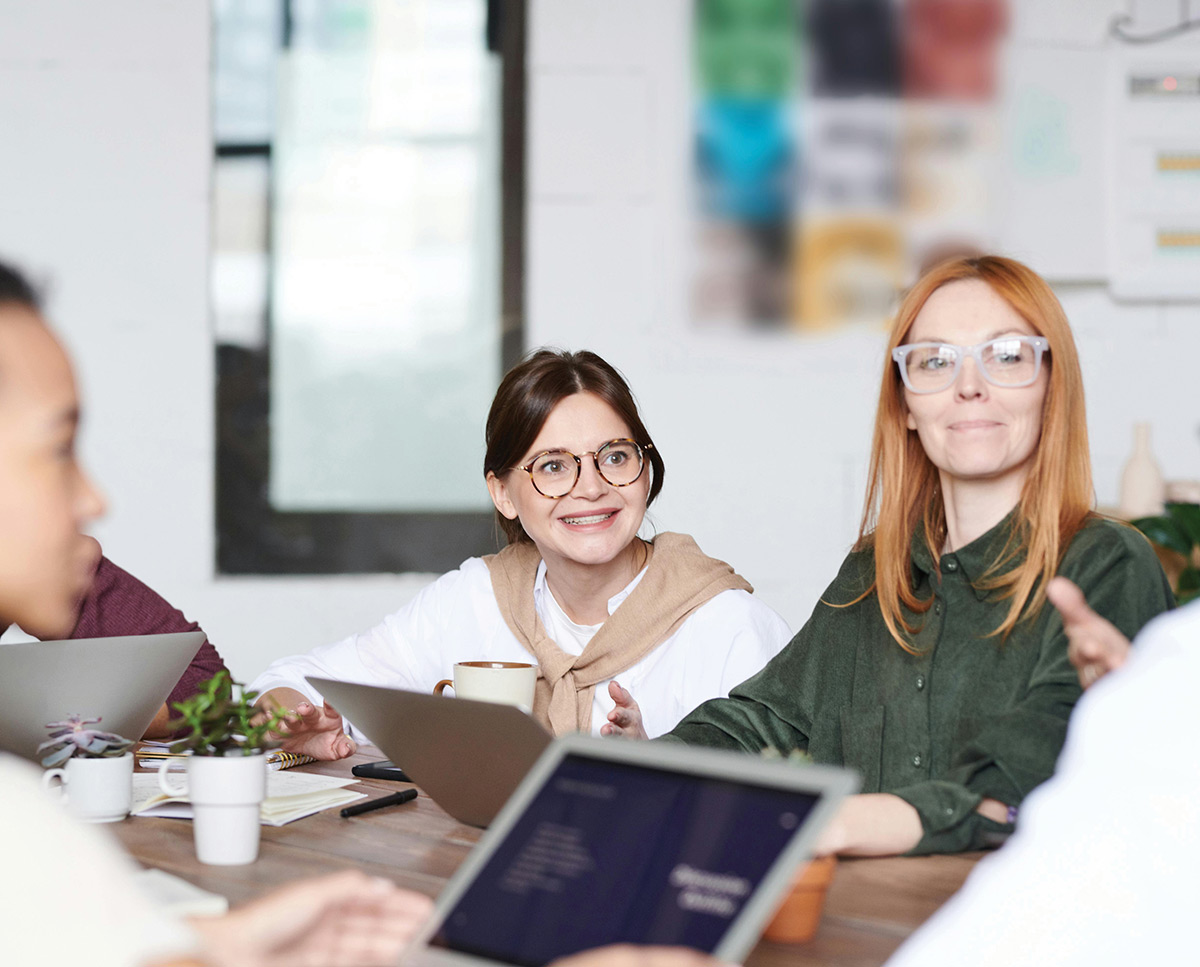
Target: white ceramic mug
x,y
95,790
505,682
226,793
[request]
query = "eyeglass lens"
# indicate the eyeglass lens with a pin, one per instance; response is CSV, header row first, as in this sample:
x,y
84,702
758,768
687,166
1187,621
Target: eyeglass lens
x,y
1005,362
555,473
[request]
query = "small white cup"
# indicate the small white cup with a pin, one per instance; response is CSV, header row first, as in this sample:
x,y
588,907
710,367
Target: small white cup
x,y
504,682
95,790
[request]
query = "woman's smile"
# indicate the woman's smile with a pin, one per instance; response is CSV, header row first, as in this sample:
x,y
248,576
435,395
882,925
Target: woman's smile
x,y
593,520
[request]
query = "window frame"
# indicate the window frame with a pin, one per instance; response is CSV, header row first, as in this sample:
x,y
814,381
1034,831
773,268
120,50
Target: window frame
x,y
252,537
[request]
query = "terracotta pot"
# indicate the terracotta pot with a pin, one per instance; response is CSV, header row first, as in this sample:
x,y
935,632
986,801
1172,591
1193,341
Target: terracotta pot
x,y
799,915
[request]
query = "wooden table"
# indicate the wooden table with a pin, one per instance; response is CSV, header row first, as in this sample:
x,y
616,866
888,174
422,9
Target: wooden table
x,y
872,905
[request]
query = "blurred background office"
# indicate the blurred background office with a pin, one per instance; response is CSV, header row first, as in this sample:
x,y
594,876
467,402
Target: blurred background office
x,y
293,243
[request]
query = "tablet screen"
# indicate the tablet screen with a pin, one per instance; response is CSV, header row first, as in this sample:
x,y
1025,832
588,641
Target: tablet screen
x,y
610,852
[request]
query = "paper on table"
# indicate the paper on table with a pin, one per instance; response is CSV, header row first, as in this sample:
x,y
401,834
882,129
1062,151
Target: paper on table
x,y
178,896
290,796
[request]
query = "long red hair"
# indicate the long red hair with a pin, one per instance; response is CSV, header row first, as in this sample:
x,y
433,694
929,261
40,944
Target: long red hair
x,y
903,494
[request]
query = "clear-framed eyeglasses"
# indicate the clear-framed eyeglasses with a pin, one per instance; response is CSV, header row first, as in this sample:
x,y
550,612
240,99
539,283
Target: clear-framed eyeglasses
x,y
554,473
1010,361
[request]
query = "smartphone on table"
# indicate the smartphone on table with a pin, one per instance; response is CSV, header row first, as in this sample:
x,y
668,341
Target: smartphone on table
x,y
383,769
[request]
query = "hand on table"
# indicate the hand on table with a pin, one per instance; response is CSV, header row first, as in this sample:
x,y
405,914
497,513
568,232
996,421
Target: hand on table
x,y
345,920
626,719
632,955
1095,645
870,824
306,729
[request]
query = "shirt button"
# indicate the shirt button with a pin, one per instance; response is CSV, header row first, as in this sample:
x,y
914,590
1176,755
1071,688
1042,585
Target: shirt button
x,y
937,608
949,810
920,682
917,760
952,565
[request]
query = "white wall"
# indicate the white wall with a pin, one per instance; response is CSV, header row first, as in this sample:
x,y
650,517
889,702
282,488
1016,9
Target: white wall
x,y
104,194
609,153
104,113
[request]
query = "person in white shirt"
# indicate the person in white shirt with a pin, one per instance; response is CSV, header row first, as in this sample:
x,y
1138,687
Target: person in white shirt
x,y
571,469
1102,867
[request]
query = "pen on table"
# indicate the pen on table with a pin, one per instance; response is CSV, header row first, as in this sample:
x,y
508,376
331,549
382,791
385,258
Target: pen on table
x,y
395,799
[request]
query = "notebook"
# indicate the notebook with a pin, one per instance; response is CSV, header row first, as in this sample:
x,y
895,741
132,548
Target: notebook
x,y
467,756
611,841
290,796
122,681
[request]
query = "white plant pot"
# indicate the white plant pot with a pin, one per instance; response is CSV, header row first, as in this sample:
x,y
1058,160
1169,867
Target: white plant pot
x,y
226,793
95,790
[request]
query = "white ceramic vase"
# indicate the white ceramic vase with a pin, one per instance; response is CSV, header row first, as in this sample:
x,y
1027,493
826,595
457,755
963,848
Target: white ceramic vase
x,y
95,790
1142,487
226,793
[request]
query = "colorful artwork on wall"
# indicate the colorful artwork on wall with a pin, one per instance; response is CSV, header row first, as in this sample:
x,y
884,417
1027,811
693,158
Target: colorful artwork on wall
x,y
839,145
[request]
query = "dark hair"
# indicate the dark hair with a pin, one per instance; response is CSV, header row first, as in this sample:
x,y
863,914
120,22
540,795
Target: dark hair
x,y
16,289
527,394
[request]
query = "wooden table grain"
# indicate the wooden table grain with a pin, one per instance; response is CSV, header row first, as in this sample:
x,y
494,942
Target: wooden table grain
x,y
873,904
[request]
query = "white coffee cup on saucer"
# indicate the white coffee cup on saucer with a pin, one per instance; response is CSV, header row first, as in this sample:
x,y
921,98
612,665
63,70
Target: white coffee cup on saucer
x,y
96,790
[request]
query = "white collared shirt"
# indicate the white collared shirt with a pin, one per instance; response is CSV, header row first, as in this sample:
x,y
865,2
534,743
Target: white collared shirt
x,y
456,618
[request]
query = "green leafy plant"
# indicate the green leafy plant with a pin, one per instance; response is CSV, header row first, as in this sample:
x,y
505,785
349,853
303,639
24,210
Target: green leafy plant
x,y
1178,530
222,723
73,738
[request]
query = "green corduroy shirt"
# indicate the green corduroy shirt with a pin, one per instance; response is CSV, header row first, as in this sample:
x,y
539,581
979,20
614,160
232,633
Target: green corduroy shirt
x,y
969,716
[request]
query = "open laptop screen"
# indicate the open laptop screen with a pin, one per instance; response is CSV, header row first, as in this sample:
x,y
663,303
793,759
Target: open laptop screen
x,y
609,852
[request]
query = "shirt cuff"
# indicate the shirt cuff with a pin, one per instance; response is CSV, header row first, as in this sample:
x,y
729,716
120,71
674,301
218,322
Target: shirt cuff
x,y
949,819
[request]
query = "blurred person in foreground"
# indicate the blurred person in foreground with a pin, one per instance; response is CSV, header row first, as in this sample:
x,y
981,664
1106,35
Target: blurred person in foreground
x,y
68,892
1102,867
55,868
112,601
932,663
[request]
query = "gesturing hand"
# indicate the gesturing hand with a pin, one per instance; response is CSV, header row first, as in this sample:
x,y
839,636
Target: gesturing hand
x,y
1095,646
626,719
317,732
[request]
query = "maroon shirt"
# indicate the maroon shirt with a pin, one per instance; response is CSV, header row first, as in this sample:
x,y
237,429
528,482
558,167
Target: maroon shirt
x,y
119,604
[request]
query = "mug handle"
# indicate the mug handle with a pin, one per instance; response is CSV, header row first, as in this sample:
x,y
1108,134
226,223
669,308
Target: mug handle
x,y
58,792
437,689
164,785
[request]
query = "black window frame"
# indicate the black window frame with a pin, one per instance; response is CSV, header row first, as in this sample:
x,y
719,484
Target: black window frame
x,y
252,537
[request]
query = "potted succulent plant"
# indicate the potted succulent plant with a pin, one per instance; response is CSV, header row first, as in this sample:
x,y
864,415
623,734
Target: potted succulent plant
x,y
1178,530
94,769
226,771
799,914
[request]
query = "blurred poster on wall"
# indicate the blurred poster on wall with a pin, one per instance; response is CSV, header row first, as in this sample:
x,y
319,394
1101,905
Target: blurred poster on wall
x,y
839,145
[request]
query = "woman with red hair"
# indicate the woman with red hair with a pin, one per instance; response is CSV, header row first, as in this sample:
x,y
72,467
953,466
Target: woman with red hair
x,y
933,664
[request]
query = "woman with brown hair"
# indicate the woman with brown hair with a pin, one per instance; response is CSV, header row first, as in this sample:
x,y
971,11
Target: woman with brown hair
x,y
932,664
571,469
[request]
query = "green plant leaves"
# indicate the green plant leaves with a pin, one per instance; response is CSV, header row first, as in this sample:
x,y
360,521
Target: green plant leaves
x,y
1165,531
1188,586
1179,530
221,724
1187,516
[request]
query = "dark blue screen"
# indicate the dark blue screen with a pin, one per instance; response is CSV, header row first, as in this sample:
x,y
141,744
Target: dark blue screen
x,y
609,853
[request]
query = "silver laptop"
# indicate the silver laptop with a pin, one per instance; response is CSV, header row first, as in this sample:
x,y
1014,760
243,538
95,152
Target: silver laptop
x,y
467,756
609,841
123,681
